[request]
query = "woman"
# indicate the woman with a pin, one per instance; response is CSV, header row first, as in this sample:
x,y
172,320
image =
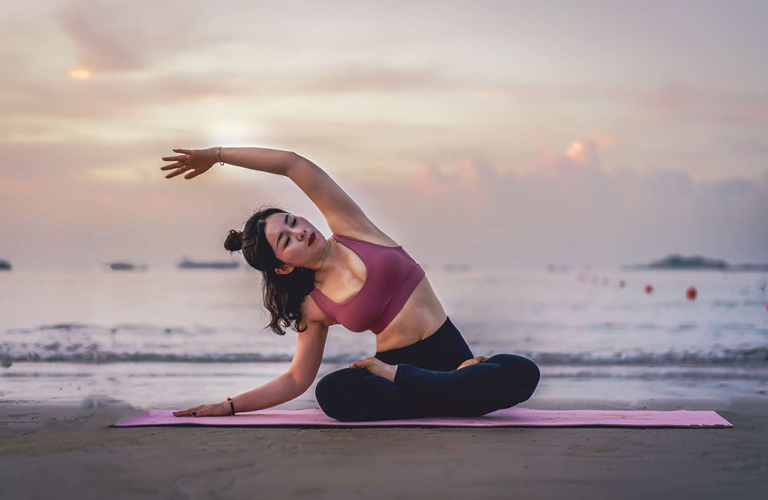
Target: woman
x,y
359,278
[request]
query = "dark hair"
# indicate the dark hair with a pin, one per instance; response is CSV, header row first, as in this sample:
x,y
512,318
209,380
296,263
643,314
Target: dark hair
x,y
283,293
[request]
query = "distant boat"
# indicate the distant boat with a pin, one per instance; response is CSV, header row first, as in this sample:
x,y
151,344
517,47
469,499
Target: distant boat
x,y
5,265
188,264
554,268
456,267
126,266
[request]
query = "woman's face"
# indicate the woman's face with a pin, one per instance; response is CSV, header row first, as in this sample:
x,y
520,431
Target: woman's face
x,y
289,235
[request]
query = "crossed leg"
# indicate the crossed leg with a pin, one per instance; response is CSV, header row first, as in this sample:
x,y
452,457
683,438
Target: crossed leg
x,y
501,381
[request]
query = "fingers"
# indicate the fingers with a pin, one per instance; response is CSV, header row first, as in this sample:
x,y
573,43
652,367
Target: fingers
x,y
175,165
175,158
180,159
178,172
183,164
187,413
197,411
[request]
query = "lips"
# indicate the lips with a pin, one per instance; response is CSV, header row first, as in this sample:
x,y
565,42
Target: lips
x,y
311,239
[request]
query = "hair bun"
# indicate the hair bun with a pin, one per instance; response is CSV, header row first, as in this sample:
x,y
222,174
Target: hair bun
x,y
234,241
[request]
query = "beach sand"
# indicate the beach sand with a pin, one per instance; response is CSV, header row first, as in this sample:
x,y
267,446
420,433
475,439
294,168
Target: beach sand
x,y
73,452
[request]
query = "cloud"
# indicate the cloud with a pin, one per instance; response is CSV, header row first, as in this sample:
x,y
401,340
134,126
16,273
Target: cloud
x,y
570,210
697,103
558,209
475,178
71,161
104,97
139,68
105,37
107,95
125,36
428,180
376,78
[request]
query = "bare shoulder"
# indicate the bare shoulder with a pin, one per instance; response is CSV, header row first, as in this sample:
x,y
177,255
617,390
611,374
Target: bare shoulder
x,y
311,313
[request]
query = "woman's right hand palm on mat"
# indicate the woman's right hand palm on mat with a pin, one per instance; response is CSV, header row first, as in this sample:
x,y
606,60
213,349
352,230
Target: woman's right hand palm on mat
x,y
214,410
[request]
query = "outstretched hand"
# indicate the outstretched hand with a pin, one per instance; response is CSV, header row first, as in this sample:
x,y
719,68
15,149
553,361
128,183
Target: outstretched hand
x,y
197,161
214,410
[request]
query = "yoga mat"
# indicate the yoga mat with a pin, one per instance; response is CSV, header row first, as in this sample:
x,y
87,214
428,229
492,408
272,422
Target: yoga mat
x,y
509,417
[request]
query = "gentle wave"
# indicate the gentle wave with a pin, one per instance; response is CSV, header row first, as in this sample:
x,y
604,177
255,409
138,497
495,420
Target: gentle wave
x,y
751,356
89,343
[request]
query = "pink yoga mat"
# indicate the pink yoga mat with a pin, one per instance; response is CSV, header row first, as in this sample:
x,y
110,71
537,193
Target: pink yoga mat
x,y
510,417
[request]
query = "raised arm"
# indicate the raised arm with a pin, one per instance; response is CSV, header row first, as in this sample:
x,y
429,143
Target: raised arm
x,y
338,208
274,161
199,161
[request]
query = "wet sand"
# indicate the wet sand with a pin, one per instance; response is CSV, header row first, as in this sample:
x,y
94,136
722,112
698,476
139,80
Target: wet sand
x,y
73,452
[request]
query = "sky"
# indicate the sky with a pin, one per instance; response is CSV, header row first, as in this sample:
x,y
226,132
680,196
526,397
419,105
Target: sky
x,y
504,134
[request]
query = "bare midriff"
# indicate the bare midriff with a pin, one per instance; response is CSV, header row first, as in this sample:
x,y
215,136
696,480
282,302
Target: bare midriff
x,y
419,318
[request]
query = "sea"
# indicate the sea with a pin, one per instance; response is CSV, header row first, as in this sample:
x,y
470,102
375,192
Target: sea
x,y
175,338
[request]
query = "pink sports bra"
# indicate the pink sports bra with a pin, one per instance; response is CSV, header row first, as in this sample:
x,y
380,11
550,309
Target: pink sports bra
x,y
392,275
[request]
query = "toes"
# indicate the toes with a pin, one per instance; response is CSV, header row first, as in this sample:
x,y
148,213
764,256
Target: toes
x,y
473,361
467,363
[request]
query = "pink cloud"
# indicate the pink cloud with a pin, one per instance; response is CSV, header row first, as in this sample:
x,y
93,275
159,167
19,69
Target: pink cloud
x,y
124,36
429,181
567,208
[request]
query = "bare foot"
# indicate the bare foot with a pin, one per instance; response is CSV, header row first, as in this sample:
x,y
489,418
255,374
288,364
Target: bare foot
x,y
376,367
475,360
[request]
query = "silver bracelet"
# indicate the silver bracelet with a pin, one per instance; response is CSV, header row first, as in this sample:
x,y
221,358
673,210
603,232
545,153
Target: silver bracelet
x,y
218,155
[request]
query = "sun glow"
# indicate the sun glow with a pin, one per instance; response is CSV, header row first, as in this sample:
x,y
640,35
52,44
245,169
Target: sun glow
x,y
232,133
575,151
79,74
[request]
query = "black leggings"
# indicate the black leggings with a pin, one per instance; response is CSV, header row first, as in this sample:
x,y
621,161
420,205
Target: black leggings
x,y
427,383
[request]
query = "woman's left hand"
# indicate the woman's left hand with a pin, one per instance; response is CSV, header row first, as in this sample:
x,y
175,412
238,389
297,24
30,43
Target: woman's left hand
x,y
214,410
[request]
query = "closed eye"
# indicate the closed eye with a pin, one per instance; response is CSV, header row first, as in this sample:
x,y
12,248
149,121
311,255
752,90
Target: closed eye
x,y
288,240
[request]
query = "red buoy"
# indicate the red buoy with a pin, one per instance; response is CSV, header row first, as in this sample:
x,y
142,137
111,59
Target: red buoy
x,y
648,288
691,293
